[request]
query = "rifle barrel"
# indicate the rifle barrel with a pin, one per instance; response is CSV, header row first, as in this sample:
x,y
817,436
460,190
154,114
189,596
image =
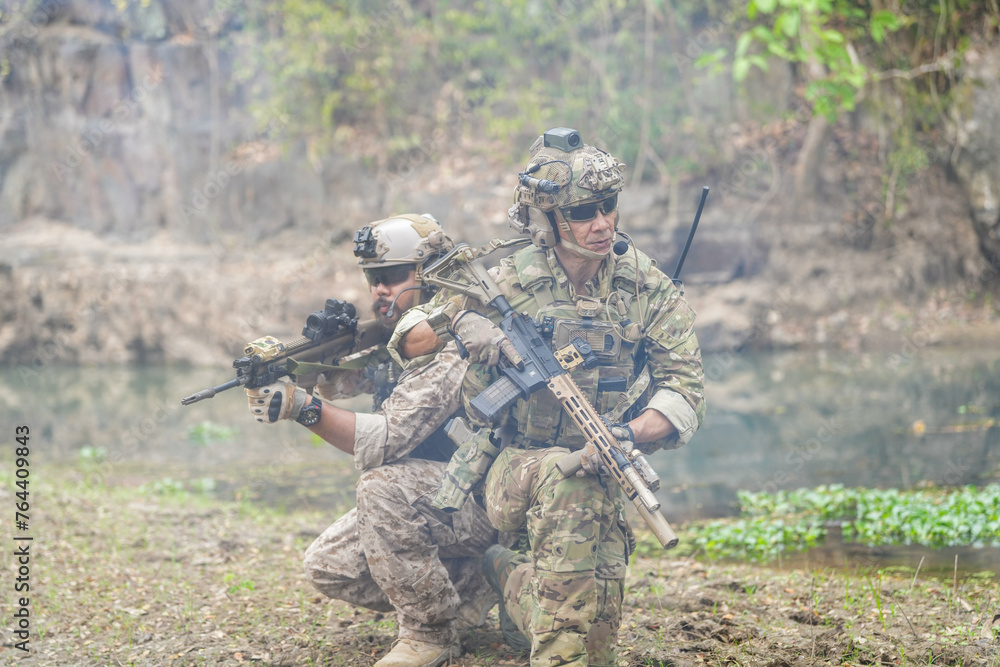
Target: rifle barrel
x,y
211,391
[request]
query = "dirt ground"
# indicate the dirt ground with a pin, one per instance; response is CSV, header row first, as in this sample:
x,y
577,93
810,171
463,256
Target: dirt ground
x,y
129,574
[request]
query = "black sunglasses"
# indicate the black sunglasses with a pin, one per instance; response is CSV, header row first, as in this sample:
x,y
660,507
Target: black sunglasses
x,y
389,275
585,212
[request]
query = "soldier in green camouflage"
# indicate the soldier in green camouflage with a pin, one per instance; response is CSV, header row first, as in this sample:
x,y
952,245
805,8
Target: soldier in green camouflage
x,y
565,591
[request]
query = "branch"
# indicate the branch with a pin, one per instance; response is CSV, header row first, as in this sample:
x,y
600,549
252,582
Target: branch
x,y
943,64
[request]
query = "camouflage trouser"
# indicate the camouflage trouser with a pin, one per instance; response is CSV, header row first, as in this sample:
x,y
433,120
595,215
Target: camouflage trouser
x,y
394,551
567,599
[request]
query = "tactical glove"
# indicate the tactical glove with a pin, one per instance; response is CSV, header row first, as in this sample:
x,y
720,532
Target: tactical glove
x,y
274,402
590,460
480,341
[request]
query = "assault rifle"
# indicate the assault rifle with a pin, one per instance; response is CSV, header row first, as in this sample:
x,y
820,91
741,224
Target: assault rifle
x,y
544,368
331,332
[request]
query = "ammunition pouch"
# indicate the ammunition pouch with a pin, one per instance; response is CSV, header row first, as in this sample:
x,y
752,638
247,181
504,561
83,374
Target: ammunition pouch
x,y
466,470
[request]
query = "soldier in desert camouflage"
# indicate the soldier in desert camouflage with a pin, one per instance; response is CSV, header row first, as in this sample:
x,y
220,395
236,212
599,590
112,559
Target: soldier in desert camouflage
x,y
564,591
395,552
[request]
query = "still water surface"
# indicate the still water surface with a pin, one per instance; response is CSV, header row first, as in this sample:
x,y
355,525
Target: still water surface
x,y
775,421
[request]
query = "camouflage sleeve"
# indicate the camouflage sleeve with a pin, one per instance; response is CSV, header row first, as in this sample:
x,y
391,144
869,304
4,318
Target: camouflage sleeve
x,y
424,398
674,360
345,383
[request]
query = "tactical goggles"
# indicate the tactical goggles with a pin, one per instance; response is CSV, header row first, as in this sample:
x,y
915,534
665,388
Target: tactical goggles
x,y
585,212
389,275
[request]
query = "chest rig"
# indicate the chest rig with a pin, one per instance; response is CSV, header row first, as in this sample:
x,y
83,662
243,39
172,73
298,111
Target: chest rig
x,y
610,325
384,372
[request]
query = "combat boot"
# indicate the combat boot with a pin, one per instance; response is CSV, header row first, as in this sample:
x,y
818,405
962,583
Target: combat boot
x,y
498,563
413,653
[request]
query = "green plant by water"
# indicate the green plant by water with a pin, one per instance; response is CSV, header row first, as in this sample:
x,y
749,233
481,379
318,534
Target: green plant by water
x,y
771,523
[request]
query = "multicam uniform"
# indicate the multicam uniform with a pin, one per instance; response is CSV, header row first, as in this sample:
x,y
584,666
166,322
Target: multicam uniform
x,y
393,551
567,593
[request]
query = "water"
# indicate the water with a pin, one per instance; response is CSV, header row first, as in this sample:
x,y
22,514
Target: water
x,y
775,421
791,420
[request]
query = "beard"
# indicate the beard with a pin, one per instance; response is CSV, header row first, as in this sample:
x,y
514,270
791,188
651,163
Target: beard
x,y
387,323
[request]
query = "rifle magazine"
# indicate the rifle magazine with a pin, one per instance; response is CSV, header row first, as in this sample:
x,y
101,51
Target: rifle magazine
x,y
495,399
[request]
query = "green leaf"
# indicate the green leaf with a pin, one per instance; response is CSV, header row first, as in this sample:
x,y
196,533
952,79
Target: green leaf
x,y
881,22
787,23
765,6
712,58
741,67
743,43
780,51
762,33
832,36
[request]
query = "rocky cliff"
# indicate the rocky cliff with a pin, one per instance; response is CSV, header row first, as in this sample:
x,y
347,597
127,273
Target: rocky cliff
x,y
147,217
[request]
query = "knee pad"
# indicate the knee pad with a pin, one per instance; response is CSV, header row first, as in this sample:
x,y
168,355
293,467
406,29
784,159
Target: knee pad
x,y
508,489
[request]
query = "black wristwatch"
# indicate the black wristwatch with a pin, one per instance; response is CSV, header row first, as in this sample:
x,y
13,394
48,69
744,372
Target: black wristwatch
x,y
310,414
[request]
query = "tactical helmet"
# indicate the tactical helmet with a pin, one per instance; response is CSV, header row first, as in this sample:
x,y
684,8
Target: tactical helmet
x,y
562,171
402,239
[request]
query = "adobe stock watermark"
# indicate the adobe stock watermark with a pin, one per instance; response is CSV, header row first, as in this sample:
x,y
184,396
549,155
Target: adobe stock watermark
x,y
719,364
53,350
129,441
373,25
250,324
796,459
214,184
91,139
431,147
928,332
27,27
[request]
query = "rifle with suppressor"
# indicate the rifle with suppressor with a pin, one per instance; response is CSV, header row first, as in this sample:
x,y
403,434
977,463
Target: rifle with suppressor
x,y
544,368
331,332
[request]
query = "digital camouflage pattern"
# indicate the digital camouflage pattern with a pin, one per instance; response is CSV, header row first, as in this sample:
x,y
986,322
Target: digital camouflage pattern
x,y
349,382
407,422
395,551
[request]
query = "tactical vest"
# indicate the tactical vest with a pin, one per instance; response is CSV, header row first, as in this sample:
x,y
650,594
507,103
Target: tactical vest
x,y
385,372
609,324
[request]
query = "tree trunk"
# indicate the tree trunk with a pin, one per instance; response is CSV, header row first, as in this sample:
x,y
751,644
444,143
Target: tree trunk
x,y
810,158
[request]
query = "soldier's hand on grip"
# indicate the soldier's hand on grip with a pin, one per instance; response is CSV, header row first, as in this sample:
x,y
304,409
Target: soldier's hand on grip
x,y
274,402
590,461
623,434
482,340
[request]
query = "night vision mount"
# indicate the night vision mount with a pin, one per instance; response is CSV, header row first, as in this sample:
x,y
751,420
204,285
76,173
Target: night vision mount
x,y
561,138
365,245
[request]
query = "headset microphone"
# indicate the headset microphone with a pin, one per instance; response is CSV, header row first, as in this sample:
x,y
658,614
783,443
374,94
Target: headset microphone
x,y
621,247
